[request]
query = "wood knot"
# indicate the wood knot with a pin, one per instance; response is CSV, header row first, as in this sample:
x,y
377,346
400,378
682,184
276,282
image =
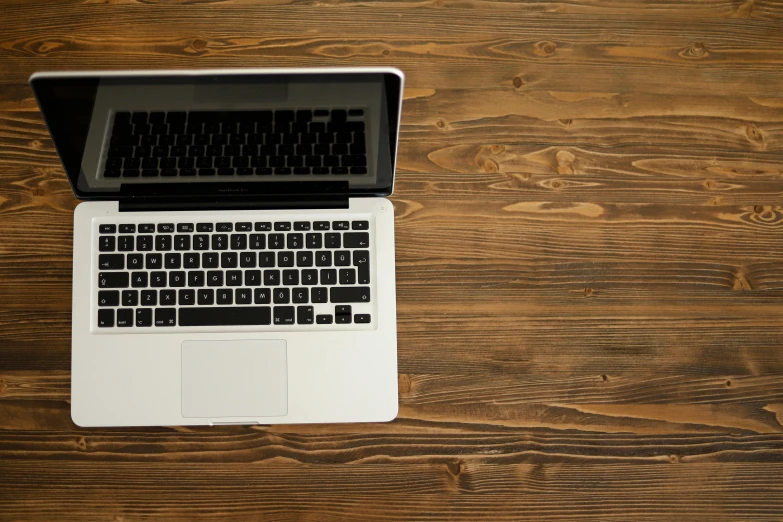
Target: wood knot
x,y
674,459
741,281
199,45
404,383
455,468
497,149
565,162
758,209
588,292
518,82
440,124
385,52
604,378
544,48
566,121
728,384
694,51
765,215
81,444
36,144
754,134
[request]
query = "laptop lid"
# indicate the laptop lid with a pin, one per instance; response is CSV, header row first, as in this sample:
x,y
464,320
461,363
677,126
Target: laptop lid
x,y
218,135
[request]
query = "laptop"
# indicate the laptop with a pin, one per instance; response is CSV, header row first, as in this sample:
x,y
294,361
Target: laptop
x,y
233,258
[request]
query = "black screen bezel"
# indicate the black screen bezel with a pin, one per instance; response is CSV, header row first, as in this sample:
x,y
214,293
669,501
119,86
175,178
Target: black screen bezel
x,y
43,84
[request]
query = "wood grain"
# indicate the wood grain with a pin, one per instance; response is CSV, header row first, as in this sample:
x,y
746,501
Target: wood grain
x,y
589,221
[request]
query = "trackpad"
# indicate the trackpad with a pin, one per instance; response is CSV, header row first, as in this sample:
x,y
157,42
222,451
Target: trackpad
x,y
234,378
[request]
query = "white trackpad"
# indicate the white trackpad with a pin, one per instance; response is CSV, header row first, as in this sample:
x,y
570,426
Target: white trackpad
x,y
234,378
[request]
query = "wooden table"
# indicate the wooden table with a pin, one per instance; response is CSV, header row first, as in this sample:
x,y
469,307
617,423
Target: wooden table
x,y
590,267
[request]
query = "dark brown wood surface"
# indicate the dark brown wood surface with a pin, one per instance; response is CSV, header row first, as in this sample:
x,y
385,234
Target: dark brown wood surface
x,y
589,267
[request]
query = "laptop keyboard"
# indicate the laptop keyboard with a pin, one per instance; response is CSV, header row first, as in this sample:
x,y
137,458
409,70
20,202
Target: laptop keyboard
x,y
228,273
237,143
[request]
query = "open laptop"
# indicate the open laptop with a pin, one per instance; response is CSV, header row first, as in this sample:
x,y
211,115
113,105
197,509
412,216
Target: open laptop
x,y
234,260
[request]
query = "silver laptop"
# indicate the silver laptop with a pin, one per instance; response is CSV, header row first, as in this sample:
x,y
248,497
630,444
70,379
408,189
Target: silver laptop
x,y
233,260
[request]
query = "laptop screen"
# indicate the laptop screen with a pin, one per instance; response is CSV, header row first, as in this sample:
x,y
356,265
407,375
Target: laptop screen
x,y
213,132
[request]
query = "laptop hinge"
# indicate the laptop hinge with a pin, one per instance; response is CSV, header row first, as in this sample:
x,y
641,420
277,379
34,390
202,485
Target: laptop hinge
x,y
279,202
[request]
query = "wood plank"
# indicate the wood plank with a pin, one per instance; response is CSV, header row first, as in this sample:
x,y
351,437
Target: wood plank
x,y
440,491
741,52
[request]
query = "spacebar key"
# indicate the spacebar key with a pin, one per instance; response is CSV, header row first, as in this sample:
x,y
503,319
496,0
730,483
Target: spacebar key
x,y
349,294
225,316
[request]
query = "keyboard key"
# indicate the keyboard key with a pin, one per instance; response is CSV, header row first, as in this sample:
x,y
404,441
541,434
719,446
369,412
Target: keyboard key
x,y
127,229
130,298
149,297
349,294
263,227
158,279
111,261
205,296
204,227
276,241
342,258
272,277
356,239
304,258
125,244
181,242
262,295
113,279
318,295
321,225
229,260
196,278
143,317
108,298
146,228
328,276
238,241
224,296
106,243
125,317
347,276
310,277
281,295
162,242
165,317
244,227
173,260
304,314
209,259
165,228
224,227
342,310
215,278
191,260
135,261
290,277
323,258
285,259
324,319
340,225
360,225
185,227
302,225
361,259
252,277
313,240
300,295
201,242
106,318
220,241
257,241
107,229
168,297
247,259
176,279
284,315
332,240
266,259
153,261
243,296
283,226
295,241
342,319
186,297
144,243
233,278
